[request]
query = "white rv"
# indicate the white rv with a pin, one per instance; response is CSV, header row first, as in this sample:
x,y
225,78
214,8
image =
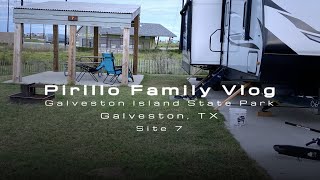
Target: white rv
x,y
266,41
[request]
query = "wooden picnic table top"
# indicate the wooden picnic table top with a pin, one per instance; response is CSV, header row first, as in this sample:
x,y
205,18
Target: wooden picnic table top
x,y
81,62
79,58
89,57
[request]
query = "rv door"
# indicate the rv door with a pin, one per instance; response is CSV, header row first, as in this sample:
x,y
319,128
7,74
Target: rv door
x,y
185,35
225,43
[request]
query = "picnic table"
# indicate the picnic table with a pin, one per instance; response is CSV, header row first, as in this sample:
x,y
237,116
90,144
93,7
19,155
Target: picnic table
x,y
86,64
85,60
90,59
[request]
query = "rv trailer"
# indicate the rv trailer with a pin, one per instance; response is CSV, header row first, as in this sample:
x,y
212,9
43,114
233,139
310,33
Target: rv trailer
x,y
270,42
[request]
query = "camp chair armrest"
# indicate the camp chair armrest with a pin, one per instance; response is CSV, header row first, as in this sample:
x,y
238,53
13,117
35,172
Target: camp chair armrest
x,y
118,71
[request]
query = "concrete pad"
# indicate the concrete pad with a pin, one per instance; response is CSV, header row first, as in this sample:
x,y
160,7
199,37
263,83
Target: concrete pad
x,y
58,78
260,134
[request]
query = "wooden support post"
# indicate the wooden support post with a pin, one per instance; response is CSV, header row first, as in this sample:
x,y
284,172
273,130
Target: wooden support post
x,y
157,42
22,32
168,43
30,31
87,38
125,59
72,55
22,27
55,41
16,75
136,44
107,42
65,37
96,43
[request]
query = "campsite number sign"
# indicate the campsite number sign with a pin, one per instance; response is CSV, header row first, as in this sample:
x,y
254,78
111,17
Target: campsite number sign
x,y
72,18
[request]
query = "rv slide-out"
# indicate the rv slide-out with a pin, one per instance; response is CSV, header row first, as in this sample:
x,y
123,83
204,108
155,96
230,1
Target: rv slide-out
x,y
201,48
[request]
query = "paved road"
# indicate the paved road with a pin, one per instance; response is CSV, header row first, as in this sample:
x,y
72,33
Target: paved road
x,y
259,135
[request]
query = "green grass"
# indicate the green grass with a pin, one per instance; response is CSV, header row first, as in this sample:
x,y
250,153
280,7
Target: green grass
x,y
39,142
29,55
33,40
165,45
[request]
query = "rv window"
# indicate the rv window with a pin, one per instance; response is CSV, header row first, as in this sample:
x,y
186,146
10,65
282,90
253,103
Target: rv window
x,y
244,15
227,15
247,19
185,27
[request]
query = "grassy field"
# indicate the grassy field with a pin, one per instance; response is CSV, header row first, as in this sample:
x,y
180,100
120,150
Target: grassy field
x,y
39,142
39,60
165,45
34,40
45,54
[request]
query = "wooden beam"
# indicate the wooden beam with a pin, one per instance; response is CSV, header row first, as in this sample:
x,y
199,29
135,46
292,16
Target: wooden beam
x,y
96,43
264,114
232,96
55,41
63,15
87,38
136,44
72,55
125,58
16,75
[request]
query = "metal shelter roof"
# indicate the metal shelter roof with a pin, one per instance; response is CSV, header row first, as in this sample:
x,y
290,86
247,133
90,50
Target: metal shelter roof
x,y
87,14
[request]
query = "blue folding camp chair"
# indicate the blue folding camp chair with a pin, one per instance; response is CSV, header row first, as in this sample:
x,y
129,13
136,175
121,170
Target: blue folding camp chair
x,y
111,69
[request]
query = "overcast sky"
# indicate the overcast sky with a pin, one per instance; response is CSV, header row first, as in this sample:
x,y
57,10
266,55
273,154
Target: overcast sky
x,y
165,12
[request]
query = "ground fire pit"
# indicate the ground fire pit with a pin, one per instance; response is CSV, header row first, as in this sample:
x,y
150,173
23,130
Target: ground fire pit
x,y
28,94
